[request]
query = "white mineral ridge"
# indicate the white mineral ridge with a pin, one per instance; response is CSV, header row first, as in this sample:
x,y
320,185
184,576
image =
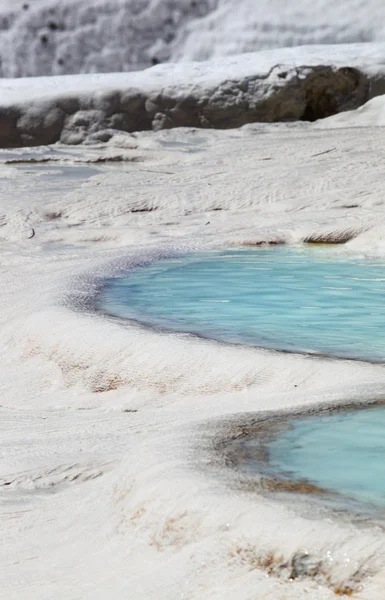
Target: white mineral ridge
x,y
248,25
108,487
370,114
48,37
176,77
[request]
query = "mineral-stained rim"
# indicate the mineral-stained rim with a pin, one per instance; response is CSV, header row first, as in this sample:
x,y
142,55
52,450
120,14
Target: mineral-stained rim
x,y
227,447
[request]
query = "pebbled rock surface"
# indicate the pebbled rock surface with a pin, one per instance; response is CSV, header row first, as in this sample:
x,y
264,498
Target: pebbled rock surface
x,y
56,37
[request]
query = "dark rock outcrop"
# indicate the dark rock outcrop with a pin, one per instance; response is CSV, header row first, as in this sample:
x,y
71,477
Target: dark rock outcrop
x,y
140,102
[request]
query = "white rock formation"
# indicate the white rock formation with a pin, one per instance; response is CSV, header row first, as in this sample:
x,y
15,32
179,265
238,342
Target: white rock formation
x,y
51,37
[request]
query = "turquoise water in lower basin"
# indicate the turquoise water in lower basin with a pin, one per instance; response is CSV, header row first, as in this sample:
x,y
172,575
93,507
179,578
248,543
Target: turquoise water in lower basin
x,y
295,299
340,452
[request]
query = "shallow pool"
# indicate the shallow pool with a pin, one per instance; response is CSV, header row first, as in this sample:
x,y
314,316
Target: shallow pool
x,y
342,452
294,299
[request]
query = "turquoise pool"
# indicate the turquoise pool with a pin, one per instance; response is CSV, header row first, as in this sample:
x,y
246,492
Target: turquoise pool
x,y
287,298
342,452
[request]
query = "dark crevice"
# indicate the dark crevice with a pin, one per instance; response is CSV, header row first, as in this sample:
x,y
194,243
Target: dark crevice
x,y
329,92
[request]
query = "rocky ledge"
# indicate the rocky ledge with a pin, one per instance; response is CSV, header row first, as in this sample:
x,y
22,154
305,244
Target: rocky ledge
x,y
291,84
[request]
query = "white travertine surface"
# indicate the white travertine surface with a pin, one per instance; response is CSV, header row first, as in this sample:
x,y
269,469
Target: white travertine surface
x,y
106,428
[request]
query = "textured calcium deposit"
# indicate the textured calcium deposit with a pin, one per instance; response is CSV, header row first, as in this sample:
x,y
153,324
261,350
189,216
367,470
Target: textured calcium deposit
x,y
54,37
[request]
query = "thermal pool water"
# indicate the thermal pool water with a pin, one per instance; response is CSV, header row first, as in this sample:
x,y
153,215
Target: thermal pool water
x,y
341,452
294,299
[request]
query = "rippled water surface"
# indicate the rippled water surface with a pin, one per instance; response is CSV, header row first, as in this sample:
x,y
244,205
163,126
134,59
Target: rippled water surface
x,y
340,452
308,300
